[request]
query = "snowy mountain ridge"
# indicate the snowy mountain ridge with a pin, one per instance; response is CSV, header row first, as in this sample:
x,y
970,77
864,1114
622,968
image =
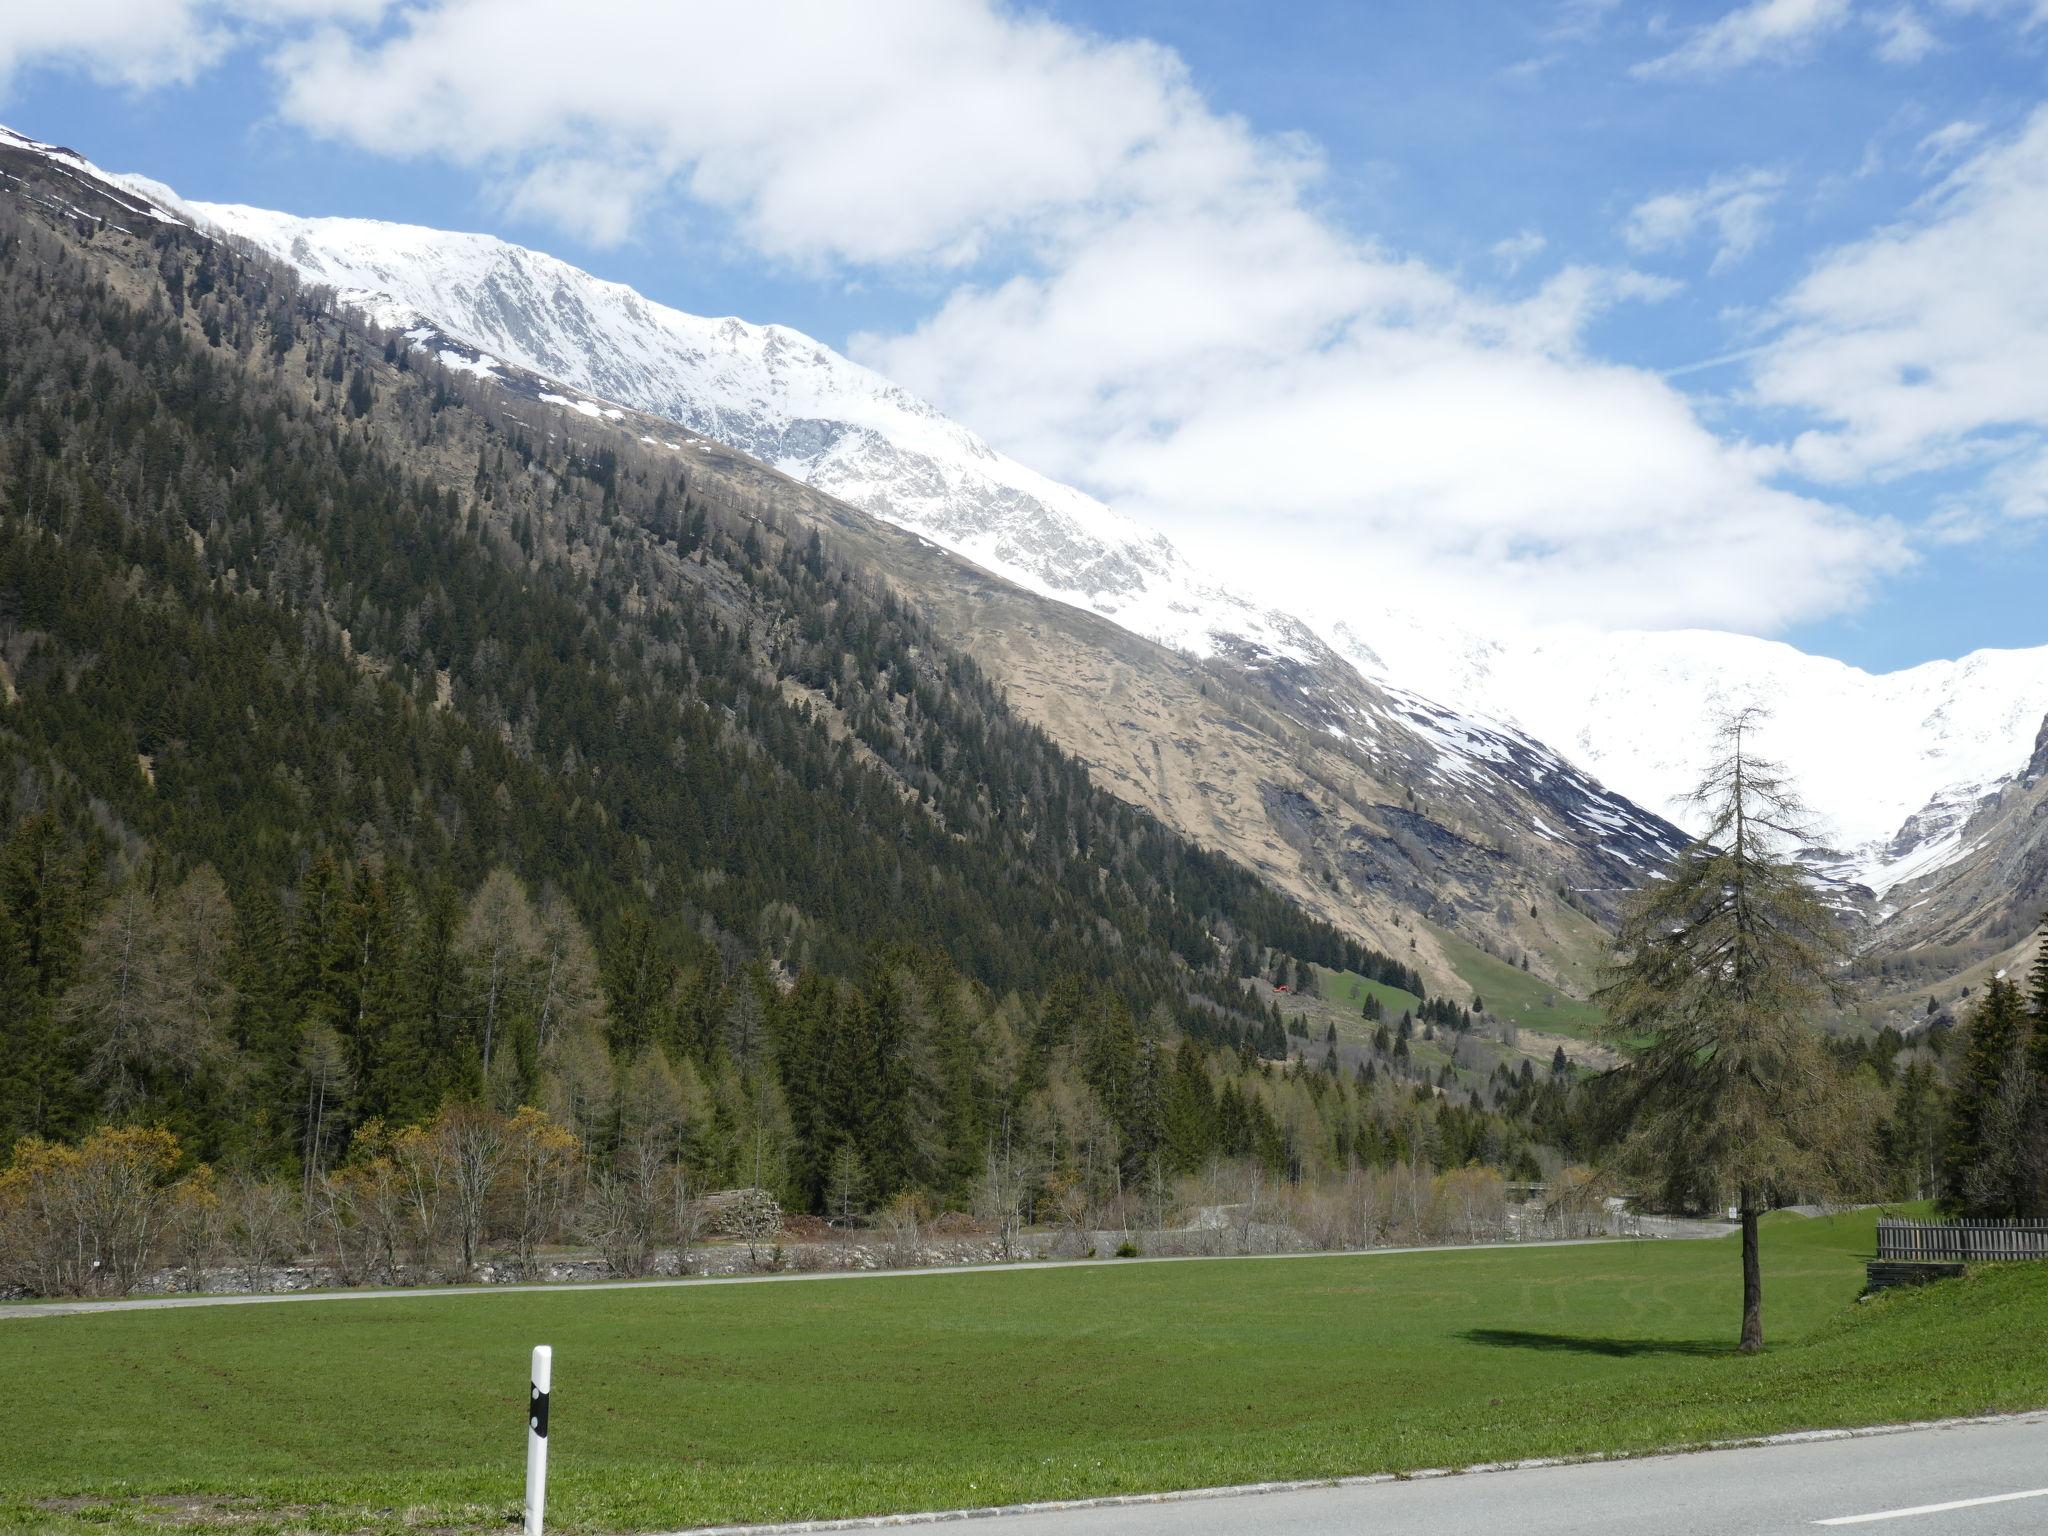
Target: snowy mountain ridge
x,y
1893,765
771,392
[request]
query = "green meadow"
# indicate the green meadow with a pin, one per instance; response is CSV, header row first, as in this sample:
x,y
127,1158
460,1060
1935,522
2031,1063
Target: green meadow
x,y
1511,993
686,1406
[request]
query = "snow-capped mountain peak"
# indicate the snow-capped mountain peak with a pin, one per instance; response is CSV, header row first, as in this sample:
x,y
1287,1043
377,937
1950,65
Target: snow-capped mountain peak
x,y
1892,765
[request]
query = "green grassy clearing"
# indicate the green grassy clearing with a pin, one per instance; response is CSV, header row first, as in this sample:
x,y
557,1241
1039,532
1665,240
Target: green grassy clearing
x,y
1349,990
1513,994
685,1406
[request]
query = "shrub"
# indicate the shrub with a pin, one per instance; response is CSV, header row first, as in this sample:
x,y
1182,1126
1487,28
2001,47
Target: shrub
x,y
87,1220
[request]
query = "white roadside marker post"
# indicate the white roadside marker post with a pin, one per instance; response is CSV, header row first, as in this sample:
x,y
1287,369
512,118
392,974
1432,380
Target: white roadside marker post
x,y
537,1437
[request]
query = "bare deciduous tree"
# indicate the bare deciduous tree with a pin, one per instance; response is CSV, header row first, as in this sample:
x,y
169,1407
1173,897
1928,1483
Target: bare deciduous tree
x,y
86,1220
264,1228
1000,1193
323,1066
474,1144
421,1163
540,1169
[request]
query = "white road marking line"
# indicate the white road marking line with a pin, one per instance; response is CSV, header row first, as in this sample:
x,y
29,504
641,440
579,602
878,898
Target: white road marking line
x,y
1935,1509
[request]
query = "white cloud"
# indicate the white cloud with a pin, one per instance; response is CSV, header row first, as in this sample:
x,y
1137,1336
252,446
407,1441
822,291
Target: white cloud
x,y
1923,345
2019,486
2028,13
1383,430
1785,31
1138,291
148,43
1947,142
896,130
1735,207
1902,36
1519,249
1145,302
596,198
1765,31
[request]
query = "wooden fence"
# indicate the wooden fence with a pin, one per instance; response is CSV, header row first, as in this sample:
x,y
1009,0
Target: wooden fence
x,y
1970,1242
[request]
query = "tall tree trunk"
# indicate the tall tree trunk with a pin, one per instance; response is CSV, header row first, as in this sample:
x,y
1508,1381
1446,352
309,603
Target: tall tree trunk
x,y
1752,1281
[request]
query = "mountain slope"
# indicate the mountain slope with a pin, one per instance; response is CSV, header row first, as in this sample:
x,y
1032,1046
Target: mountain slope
x,y
770,392
382,749
1340,762
1991,898
1894,765
272,592
1378,766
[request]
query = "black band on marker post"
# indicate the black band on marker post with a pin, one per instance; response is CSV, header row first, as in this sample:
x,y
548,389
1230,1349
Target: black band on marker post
x,y
537,1414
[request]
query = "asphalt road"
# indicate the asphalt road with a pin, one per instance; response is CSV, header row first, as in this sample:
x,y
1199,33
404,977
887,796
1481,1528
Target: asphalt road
x,y
1986,1479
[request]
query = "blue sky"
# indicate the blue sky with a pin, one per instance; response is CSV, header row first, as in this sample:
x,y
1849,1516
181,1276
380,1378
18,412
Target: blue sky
x,y
1361,298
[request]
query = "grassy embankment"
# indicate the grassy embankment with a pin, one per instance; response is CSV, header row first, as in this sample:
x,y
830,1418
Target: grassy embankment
x,y
683,1406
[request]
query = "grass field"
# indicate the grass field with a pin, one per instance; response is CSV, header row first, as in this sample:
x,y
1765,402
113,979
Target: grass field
x,y
681,1406
1350,989
1513,994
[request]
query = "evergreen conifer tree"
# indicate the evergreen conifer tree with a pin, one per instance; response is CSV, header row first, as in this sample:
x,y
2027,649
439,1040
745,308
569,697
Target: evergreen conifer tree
x,y
2038,989
1994,1102
1721,969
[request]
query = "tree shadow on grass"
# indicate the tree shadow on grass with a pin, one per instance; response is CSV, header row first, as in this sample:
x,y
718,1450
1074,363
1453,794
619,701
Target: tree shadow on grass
x,y
1577,1344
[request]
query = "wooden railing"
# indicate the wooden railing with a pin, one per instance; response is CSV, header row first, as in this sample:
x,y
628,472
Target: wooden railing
x,y
1971,1242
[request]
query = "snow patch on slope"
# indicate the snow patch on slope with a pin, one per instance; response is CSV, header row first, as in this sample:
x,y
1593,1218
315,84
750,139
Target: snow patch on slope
x,y
132,193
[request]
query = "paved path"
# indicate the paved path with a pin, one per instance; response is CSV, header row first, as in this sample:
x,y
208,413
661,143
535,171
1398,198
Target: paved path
x,y
1988,1478
158,1303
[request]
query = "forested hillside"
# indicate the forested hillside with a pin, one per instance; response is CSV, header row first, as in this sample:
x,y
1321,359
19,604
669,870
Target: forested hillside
x,y
366,746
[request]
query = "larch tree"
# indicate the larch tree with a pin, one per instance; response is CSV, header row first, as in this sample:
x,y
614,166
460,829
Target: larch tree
x,y
116,1011
198,924
1721,967
500,939
153,992
568,996
846,1182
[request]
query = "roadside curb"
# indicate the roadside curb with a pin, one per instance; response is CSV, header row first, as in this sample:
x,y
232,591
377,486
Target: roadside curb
x,y
1305,1485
